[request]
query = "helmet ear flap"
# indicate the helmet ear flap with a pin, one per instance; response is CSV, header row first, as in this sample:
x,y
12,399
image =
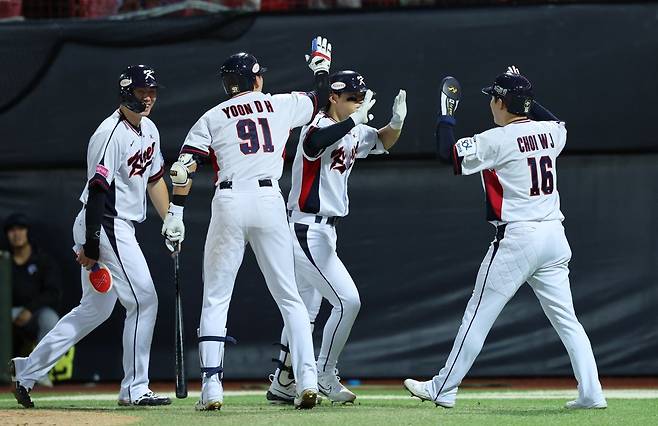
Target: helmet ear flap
x,y
234,83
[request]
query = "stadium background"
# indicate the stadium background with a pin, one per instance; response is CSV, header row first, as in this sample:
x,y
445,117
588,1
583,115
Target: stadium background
x,y
415,235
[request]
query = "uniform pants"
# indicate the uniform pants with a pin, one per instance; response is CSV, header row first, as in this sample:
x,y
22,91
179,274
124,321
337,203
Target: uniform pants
x,y
533,252
320,273
255,215
131,285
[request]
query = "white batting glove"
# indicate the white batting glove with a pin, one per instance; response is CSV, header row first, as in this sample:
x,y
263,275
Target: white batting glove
x,y
173,228
399,110
512,70
320,57
361,114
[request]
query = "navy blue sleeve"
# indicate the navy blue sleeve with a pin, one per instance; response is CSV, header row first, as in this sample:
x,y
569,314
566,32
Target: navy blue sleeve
x,y
320,93
445,137
317,139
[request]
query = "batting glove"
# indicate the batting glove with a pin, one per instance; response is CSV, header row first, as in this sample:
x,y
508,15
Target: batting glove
x,y
399,110
320,57
361,114
512,70
173,228
451,93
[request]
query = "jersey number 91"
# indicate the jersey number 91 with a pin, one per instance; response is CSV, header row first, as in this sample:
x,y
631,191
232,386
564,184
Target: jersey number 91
x,y
247,131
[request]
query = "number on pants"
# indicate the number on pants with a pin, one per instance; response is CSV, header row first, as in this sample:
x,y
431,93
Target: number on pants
x,y
247,131
545,167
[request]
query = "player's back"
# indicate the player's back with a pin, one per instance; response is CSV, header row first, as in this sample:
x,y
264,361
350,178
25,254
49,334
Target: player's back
x,y
521,179
248,133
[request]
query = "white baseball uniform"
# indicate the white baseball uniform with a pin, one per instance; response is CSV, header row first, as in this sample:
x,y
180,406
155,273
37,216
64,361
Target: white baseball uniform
x,y
245,139
519,175
318,198
124,160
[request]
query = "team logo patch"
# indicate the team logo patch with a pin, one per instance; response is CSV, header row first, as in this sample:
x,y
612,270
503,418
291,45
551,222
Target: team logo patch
x,y
125,82
500,90
339,85
466,147
102,170
452,89
255,68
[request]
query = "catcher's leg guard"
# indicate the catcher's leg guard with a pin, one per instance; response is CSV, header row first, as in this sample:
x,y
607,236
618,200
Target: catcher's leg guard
x,y
211,358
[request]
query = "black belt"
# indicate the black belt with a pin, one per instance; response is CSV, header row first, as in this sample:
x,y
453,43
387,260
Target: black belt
x,y
330,220
500,231
227,184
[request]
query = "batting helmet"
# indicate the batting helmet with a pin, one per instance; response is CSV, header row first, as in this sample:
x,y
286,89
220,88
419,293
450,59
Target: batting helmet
x,y
239,73
515,90
132,77
347,82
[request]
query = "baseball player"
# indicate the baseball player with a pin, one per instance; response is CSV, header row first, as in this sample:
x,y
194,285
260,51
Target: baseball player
x,y
517,162
318,199
123,164
244,137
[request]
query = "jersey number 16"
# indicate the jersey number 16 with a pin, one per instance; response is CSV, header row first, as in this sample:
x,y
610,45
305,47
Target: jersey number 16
x,y
247,131
545,167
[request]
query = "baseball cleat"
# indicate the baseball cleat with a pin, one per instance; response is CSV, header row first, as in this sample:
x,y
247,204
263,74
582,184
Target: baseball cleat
x,y
451,93
21,393
419,390
579,405
208,406
149,399
331,387
279,393
307,399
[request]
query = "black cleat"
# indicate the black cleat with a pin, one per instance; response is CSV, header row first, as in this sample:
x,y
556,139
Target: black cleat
x,y
451,93
276,399
21,393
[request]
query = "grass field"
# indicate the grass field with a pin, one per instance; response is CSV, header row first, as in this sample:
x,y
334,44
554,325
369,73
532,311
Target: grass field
x,y
379,406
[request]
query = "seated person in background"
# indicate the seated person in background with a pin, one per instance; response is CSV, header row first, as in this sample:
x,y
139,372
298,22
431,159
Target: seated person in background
x,y
36,283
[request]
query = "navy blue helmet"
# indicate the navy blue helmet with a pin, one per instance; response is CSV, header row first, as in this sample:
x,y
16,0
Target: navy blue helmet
x,y
347,82
515,90
132,77
239,73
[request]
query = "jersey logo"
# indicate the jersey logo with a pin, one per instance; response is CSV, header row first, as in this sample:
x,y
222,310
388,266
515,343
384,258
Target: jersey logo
x,y
466,147
141,160
341,161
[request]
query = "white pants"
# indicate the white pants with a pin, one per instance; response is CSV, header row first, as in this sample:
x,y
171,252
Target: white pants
x,y
320,273
533,252
256,215
131,285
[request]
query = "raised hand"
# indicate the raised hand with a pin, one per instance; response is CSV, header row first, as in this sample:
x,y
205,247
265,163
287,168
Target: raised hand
x,y
320,57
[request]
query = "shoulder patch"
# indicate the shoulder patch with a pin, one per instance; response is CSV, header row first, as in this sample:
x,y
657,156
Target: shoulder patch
x,y
466,147
102,170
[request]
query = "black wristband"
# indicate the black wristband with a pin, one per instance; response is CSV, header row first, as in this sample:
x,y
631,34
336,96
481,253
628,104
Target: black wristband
x,y
179,199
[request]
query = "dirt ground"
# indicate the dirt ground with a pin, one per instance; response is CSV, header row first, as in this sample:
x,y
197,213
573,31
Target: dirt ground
x,y
60,417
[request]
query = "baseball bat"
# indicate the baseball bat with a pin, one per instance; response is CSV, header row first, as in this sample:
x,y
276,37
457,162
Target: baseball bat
x,y
181,382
